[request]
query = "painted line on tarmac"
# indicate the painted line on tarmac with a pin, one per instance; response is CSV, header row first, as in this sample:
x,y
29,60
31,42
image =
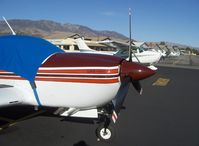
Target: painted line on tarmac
x,y
14,122
161,82
175,62
6,119
7,125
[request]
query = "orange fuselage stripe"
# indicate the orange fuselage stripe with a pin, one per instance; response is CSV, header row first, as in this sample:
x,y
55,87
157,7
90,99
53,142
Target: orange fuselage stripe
x,y
98,81
83,71
93,80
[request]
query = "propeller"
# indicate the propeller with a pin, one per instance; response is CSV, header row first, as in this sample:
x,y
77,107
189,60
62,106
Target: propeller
x,y
135,72
137,86
130,72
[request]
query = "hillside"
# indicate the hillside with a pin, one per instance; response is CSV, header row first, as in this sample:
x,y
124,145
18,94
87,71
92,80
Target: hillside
x,y
51,29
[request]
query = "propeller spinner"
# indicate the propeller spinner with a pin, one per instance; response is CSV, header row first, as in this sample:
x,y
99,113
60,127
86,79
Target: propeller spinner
x,y
135,72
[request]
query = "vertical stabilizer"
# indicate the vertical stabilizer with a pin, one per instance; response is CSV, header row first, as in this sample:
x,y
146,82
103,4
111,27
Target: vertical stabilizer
x,y
82,45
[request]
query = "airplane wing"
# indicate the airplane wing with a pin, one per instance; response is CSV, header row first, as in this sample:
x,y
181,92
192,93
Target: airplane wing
x,y
115,44
120,46
9,95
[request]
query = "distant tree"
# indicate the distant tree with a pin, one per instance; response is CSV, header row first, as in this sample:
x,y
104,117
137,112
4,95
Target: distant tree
x,y
188,49
195,51
192,50
162,43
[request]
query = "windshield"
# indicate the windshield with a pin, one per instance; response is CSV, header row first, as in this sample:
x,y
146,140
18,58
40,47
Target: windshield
x,y
124,53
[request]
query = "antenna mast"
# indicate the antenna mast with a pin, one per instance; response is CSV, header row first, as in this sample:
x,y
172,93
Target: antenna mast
x,y
130,48
13,33
130,51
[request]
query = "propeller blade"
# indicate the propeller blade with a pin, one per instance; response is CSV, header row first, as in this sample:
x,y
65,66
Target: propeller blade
x,y
137,86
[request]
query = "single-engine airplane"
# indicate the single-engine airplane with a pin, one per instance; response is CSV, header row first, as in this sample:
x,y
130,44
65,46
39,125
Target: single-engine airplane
x,y
35,72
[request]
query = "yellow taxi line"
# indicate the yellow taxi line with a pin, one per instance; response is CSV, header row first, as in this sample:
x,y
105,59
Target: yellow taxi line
x,y
6,119
161,82
14,122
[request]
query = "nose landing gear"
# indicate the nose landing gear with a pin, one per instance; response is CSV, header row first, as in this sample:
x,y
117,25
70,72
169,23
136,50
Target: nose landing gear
x,y
105,132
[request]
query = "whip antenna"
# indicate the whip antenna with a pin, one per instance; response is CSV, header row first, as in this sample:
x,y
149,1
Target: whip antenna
x,y
13,33
130,51
130,44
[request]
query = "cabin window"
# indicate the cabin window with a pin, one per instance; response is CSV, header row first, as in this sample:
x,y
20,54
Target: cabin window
x,y
76,47
66,47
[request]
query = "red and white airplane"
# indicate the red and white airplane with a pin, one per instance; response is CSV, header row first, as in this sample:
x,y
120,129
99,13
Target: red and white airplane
x,y
35,72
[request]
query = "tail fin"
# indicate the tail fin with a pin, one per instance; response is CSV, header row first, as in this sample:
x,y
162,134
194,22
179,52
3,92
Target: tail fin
x,y
82,45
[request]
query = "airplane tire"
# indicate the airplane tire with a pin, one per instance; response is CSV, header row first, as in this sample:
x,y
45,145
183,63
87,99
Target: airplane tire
x,y
105,136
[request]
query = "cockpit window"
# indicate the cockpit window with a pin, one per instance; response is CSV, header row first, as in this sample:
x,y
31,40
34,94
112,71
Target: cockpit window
x,y
124,53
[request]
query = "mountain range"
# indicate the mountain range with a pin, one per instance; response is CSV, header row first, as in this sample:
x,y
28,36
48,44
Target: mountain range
x,y
51,30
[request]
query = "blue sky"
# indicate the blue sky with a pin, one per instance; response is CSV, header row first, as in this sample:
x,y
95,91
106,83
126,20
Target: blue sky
x,y
152,20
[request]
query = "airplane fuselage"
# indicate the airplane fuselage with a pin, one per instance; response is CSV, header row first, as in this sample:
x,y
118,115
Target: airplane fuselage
x,y
147,57
74,80
71,80
72,84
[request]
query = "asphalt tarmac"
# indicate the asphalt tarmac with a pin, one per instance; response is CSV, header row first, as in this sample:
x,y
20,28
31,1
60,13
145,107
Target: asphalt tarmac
x,y
167,114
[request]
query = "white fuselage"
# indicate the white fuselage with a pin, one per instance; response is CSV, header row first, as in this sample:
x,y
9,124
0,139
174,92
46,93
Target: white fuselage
x,y
147,57
74,92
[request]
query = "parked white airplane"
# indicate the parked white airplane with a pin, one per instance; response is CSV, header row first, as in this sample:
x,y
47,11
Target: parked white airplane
x,y
148,57
174,54
141,55
141,45
144,56
83,48
34,72
162,52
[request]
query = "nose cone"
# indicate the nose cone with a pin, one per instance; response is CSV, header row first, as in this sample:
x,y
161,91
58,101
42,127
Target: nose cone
x,y
135,71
